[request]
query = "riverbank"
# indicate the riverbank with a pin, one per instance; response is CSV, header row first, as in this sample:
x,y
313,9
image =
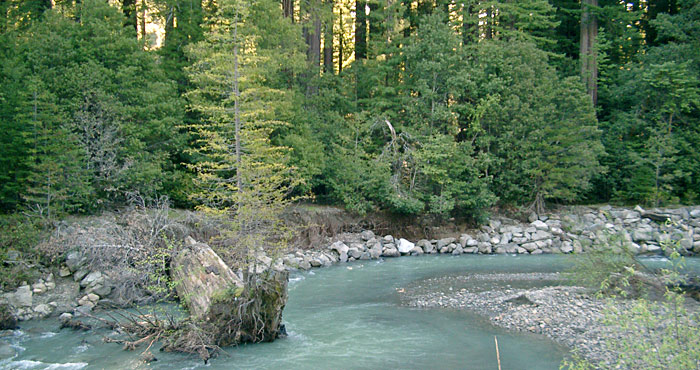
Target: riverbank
x,y
565,314
93,273
569,315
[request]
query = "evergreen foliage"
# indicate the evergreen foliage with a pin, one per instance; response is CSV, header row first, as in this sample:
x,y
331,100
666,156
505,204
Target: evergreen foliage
x,y
448,108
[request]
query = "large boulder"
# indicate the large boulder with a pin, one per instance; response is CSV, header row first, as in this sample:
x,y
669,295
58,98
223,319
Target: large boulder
x,y
199,274
426,245
404,246
226,308
339,247
74,260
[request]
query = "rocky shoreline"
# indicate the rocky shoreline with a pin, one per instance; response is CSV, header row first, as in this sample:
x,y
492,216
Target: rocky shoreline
x,y
568,315
74,289
572,230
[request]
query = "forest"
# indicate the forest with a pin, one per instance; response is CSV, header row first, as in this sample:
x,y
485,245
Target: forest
x,y
424,107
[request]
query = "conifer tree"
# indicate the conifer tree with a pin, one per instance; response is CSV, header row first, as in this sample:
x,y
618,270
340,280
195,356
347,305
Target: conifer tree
x,y
241,175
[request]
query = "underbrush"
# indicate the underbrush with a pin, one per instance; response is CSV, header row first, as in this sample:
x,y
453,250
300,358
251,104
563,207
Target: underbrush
x,y
660,328
19,236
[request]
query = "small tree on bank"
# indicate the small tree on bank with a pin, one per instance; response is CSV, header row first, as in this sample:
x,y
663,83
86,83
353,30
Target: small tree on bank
x,y
242,177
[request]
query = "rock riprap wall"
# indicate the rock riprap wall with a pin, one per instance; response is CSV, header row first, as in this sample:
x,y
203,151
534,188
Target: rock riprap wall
x,y
571,230
77,290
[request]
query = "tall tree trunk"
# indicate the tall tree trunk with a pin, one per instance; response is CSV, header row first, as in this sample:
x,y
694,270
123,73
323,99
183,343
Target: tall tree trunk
x,y
144,6
236,109
312,33
328,42
129,10
589,64
288,9
488,29
360,30
169,26
341,43
470,26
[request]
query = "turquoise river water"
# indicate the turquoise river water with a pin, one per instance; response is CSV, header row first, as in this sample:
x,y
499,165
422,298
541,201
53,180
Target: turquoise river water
x,y
342,317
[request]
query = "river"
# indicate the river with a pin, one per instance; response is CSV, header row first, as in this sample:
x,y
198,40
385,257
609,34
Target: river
x,y
343,317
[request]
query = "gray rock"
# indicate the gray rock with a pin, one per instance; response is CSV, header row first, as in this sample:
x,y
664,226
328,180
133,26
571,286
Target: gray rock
x,y
426,245
416,251
339,247
532,217
64,271
366,255
530,247
506,238
471,250
83,309
359,246
80,274
388,238
305,265
315,262
101,290
375,252
289,260
511,248
500,250
22,297
566,247
653,248
325,260
39,288
92,278
458,250
43,310
404,246
444,242
74,260
343,257
521,250
65,317
642,235
695,213
539,225
540,235
537,251
391,252
367,235
464,239
484,247
354,253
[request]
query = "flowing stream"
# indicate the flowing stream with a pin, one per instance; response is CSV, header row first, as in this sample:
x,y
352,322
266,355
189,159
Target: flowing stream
x,y
343,317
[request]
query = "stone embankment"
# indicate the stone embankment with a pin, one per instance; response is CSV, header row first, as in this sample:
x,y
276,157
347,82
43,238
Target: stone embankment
x,y
74,289
572,230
